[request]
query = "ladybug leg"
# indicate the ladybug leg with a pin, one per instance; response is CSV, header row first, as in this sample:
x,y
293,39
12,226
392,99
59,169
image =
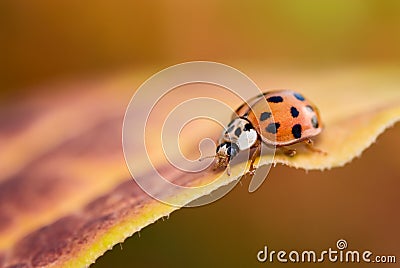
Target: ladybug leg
x,y
288,152
218,165
215,166
310,146
228,169
256,153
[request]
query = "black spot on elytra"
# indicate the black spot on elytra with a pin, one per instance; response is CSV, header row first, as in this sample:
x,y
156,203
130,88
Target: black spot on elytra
x,y
238,131
299,96
265,116
309,108
275,99
229,129
314,122
296,131
294,112
273,128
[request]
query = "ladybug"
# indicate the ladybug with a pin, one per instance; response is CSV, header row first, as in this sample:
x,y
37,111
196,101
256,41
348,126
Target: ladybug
x,y
276,118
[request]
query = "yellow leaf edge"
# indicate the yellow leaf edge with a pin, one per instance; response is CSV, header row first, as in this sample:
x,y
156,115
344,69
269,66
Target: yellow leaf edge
x,y
155,210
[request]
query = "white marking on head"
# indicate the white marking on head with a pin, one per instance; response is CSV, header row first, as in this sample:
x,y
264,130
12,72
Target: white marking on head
x,y
223,149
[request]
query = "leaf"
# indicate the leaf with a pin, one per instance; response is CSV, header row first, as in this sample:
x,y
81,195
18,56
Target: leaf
x,y
67,197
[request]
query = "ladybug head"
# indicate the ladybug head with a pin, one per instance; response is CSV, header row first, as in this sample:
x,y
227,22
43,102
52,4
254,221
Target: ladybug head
x,y
240,135
225,152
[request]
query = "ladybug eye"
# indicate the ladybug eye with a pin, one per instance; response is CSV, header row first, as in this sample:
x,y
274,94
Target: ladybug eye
x,y
233,150
230,151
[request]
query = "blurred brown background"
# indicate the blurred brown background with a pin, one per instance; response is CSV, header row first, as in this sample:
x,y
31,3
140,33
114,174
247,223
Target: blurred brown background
x,y
46,40
51,41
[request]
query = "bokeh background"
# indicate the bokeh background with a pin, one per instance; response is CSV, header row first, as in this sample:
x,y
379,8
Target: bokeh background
x,y
47,42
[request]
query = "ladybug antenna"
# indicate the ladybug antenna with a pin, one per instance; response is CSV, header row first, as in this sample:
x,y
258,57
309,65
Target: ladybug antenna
x,y
206,157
